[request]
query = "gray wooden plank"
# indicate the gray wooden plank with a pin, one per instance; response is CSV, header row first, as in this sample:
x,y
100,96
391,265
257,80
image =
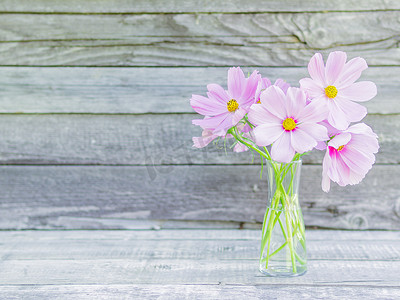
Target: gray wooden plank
x,y
143,6
192,291
185,51
142,90
227,245
140,140
317,30
289,39
49,264
189,271
313,235
79,197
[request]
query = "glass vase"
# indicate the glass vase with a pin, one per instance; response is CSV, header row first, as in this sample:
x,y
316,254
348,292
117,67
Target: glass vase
x,y
283,243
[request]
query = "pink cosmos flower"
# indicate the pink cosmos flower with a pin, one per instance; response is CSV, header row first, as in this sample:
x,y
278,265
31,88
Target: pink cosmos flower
x,y
224,109
334,85
349,156
265,83
287,122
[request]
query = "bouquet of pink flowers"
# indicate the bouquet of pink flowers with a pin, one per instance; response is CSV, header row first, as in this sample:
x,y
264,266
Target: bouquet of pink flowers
x,y
282,123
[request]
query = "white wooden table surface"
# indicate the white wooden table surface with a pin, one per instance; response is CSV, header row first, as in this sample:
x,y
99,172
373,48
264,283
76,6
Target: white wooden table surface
x,y
192,264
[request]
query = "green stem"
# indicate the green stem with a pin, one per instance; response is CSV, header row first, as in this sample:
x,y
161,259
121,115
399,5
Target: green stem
x,y
289,231
281,196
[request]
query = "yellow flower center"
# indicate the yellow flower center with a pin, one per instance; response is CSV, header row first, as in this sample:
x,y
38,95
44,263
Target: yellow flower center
x,y
258,102
331,91
340,148
289,124
232,105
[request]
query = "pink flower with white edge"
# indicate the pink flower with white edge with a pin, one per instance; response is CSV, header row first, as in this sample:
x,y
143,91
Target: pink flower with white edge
x,y
334,86
349,156
224,109
287,122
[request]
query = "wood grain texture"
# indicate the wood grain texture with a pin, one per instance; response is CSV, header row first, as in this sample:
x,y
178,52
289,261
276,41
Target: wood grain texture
x,y
139,140
187,271
196,40
183,51
184,244
191,291
385,237
146,90
110,259
143,6
73,197
187,264
315,30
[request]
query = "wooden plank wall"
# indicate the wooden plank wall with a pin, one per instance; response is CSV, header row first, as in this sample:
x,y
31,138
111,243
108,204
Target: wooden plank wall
x,y
96,122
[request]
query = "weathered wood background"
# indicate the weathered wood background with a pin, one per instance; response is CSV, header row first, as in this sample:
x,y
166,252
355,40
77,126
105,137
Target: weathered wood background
x,y
96,122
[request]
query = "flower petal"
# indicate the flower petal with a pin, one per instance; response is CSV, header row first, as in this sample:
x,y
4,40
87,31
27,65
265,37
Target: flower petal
x,y
363,153
321,145
262,85
359,91
333,168
282,150
363,138
223,127
206,106
282,84
365,142
212,122
295,101
248,94
355,177
315,111
238,115
326,182
340,140
351,72
336,117
266,134
356,162
317,131
354,112
216,92
206,138
302,141
312,88
236,82
331,130
334,66
343,171
273,99
361,128
359,163
259,114
316,69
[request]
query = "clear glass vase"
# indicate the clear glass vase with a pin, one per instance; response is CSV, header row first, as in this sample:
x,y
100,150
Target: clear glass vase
x,y
283,243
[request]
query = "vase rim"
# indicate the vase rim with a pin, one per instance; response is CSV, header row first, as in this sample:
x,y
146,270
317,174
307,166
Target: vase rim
x,y
299,161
